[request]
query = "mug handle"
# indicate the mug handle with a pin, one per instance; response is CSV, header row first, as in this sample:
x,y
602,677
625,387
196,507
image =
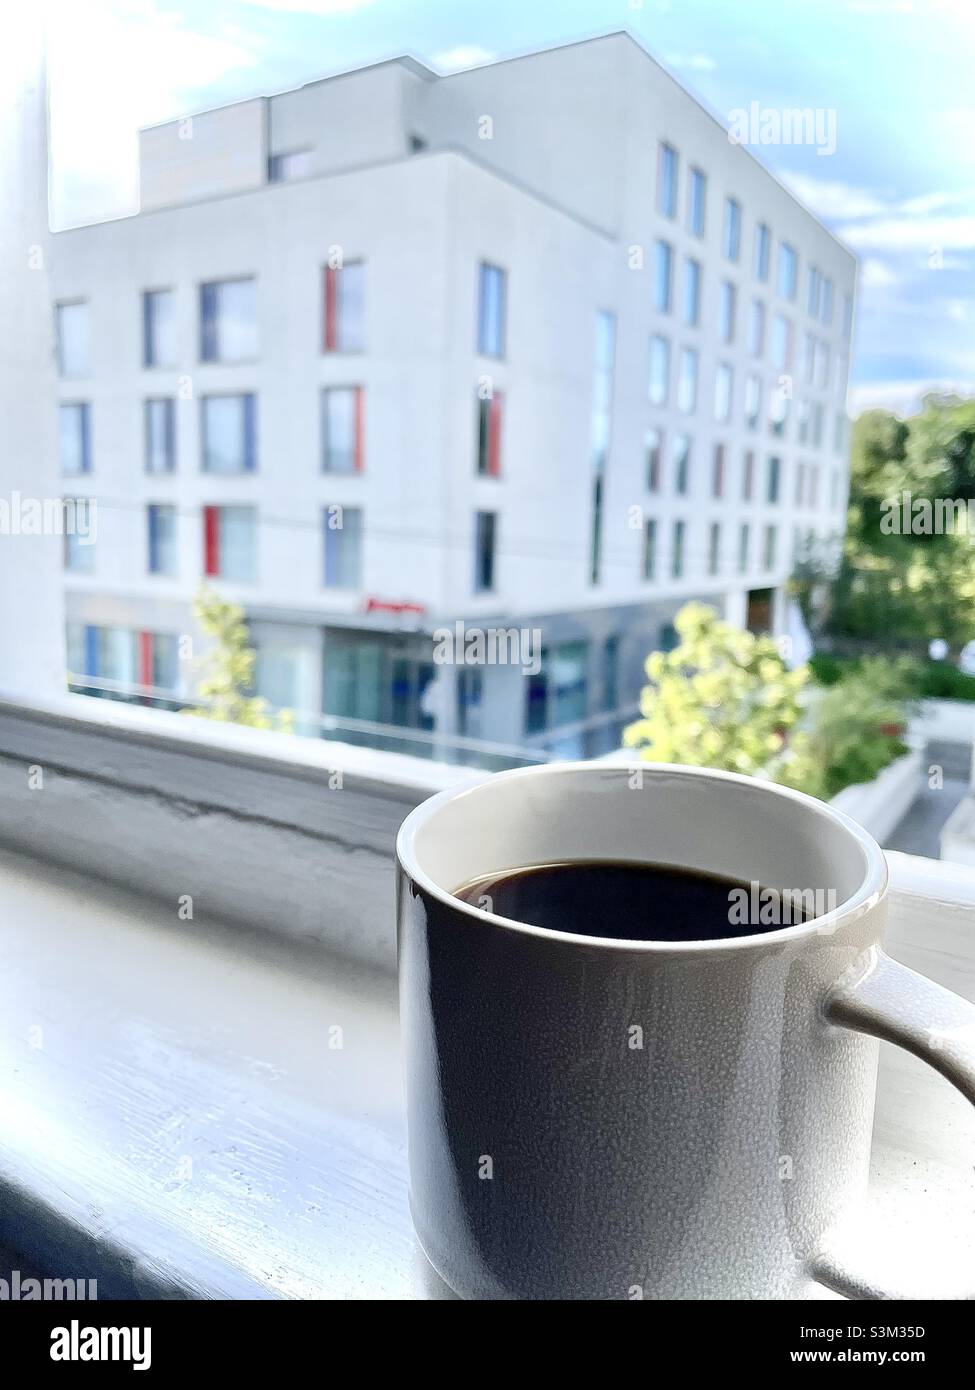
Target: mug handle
x,y
889,1001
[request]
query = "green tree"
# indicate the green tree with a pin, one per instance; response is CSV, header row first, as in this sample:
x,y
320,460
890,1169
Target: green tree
x,y
722,698
892,587
228,669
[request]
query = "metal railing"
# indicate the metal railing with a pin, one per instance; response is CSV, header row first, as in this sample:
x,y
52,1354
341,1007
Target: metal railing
x,y
455,749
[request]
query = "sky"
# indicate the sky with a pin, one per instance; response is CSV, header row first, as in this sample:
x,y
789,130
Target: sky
x,y
899,187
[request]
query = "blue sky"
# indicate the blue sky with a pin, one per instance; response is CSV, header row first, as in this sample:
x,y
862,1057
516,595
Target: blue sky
x,y
900,187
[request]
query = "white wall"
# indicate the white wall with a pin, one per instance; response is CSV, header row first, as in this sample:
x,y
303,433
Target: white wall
x,y
31,605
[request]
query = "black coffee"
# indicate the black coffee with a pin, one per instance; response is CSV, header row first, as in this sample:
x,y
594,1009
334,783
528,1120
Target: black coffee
x,y
635,902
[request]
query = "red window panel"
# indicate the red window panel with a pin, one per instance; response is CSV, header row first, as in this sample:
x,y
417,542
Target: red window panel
x,y
331,308
145,658
360,429
211,540
495,415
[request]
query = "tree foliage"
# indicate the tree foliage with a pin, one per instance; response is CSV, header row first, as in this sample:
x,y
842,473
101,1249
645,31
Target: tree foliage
x,y
724,698
721,698
896,587
227,676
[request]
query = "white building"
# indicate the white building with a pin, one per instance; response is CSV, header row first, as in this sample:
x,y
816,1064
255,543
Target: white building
x,y
553,351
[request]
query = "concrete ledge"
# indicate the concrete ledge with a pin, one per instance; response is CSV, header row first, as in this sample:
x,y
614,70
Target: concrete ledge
x,y
270,831
880,806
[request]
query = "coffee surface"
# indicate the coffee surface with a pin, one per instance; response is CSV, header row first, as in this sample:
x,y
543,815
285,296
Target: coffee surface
x,y
632,902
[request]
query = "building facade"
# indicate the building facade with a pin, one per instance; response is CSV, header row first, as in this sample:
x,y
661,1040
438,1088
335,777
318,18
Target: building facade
x,y
532,346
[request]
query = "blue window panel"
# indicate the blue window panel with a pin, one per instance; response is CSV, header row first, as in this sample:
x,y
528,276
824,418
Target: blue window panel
x,y
91,651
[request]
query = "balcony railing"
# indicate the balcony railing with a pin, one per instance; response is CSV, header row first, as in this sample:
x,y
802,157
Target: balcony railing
x,y
199,1035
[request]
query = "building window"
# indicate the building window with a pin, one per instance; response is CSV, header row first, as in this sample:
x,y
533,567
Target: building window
x,y
160,435
290,164
808,364
342,547
788,271
79,545
228,320
73,338
682,464
724,385
774,477
74,437
344,329
717,471
687,381
815,292
692,292
677,553
753,400
650,549
847,315
748,475
161,535
816,425
659,370
822,366
697,193
485,538
492,297
778,412
230,543
727,306
653,443
343,410
663,277
159,328
599,428
840,432
781,341
558,693
768,548
743,543
229,434
814,485
714,548
667,166
490,412
763,249
827,306
800,484
732,229
834,488
756,329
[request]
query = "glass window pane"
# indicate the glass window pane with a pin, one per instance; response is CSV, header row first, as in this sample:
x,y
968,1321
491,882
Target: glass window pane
x,y
228,310
73,338
159,328
73,438
228,434
238,543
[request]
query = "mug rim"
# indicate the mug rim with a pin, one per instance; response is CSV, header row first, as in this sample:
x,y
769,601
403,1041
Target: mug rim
x,y
871,890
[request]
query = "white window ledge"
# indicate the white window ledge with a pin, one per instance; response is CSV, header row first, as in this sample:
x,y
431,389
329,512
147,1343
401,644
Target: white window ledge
x,y
178,1119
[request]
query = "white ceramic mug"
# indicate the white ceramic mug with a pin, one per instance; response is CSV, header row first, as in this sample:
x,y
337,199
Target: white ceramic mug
x,y
593,1117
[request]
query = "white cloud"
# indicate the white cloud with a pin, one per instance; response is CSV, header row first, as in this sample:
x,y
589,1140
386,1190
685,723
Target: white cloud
x,y
311,6
913,233
113,68
694,62
901,397
464,56
876,275
835,200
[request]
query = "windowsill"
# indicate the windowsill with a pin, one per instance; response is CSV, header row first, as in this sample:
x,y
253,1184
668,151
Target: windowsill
x,y
177,1117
